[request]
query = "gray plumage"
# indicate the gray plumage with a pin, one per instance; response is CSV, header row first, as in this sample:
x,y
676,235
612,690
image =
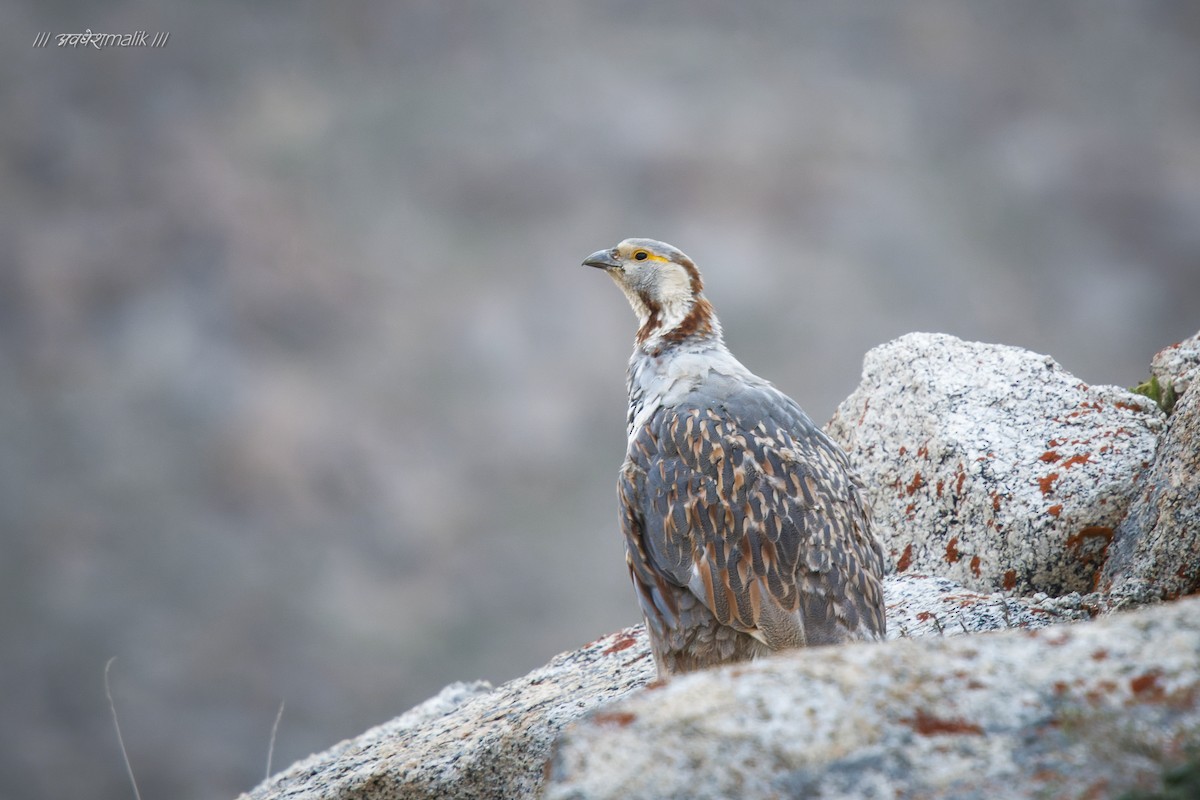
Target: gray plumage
x,y
746,529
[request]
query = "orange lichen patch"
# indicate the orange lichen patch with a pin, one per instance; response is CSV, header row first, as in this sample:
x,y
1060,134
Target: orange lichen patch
x,y
1127,406
940,485
1100,655
922,452
917,483
1010,578
995,501
928,725
952,554
619,718
903,450
1046,484
905,559
624,642
924,616
1081,458
1053,443
1054,510
962,476
910,509
1100,692
1146,687
1050,456
1085,408
975,566
1088,534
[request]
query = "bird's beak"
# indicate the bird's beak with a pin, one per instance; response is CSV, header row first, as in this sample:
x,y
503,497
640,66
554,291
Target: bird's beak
x,y
603,259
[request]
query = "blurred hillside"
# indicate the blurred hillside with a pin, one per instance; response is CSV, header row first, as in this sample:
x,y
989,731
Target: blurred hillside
x,y
304,394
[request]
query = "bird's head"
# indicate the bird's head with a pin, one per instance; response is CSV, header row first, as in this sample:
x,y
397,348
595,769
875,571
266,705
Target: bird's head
x,y
663,286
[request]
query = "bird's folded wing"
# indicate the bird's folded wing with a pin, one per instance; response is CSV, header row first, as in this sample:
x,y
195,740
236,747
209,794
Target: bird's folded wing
x,y
750,507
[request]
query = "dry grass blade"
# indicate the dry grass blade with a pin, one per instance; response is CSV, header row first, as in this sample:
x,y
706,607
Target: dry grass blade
x,y
117,725
274,731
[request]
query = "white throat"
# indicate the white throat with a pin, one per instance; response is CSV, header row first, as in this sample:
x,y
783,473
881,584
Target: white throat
x,y
673,292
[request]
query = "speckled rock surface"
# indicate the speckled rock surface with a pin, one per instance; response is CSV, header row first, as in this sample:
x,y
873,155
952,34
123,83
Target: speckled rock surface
x,y
1088,710
471,741
993,465
1176,366
921,605
475,741
1156,548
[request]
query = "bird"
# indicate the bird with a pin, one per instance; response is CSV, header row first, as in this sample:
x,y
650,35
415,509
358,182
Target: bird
x,y
746,529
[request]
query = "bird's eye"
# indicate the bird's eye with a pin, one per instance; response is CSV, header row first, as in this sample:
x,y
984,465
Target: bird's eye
x,y
641,255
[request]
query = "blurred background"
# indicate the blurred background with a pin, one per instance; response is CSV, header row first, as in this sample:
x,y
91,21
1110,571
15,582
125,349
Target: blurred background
x,y
305,397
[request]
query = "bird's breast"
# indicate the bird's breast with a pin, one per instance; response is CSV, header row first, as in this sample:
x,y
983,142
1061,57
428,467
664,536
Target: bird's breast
x,y
680,377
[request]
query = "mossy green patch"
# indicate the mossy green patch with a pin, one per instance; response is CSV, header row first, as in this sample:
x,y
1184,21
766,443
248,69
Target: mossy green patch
x,y
1164,396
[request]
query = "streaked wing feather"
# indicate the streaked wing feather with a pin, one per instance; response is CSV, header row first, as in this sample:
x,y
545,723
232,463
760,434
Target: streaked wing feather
x,y
754,510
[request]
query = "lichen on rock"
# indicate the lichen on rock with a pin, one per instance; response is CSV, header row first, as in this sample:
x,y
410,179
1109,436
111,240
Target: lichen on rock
x,y
993,465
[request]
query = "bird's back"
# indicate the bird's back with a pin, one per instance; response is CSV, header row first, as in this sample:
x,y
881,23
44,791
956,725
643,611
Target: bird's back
x,y
735,499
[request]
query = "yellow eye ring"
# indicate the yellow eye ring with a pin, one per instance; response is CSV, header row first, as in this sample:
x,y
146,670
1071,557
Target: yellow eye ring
x,y
641,255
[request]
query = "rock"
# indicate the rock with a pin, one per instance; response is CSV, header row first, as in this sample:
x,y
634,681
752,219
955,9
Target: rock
x,y
920,605
475,741
472,741
1176,366
993,465
1089,710
1156,548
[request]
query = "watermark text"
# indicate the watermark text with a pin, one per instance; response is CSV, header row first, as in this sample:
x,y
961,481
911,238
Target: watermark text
x,y
102,40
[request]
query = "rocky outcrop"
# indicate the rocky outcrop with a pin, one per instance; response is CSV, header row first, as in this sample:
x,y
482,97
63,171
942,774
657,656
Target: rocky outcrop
x,y
1156,548
1176,366
921,605
475,741
472,740
992,465
998,481
1089,710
